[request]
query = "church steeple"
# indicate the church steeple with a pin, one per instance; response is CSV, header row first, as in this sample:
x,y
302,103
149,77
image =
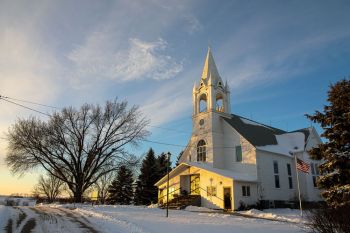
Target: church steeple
x,y
211,95
210,71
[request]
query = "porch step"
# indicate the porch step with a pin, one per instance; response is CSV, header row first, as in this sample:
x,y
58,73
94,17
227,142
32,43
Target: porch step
x,y
181,202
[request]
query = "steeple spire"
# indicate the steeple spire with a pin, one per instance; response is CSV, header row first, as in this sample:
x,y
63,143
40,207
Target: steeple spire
x,y
209,69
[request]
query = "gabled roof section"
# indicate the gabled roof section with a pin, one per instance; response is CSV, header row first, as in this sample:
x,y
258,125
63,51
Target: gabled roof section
x,y
267,138
256,133
210,71
226,173
305,131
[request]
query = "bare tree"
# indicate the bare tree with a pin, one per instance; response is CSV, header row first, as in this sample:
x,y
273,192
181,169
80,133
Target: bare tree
x,y
102,185
50,187
76,146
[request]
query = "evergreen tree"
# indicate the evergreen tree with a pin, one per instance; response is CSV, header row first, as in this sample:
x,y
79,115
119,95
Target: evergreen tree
x,y
163,163
146,192
121,190
178,158
335,170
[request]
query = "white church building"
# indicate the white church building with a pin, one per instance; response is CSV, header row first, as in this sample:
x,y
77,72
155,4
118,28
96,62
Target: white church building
x,y
231,160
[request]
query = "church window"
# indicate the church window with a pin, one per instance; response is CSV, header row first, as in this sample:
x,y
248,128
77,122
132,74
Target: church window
x,y
203,103
219,103
275,167
276,174
238,153
246,191
315,173
211,191
277,181
201,151
289,172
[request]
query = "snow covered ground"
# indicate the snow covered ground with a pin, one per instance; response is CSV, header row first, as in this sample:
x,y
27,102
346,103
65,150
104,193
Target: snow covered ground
x,y
288,215
19,201
147,220
127,219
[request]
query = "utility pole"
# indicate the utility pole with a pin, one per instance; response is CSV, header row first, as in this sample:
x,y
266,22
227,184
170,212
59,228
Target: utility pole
x,y
167,188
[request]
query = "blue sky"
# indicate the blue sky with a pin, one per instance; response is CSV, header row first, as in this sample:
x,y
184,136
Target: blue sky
x,y
278,57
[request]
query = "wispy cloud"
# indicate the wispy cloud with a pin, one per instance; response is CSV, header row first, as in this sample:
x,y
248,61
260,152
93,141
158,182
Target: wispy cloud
x,y
141,60
145,60
192,24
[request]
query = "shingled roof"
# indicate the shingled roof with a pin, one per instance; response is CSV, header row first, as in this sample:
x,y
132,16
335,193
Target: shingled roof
x,y
256,133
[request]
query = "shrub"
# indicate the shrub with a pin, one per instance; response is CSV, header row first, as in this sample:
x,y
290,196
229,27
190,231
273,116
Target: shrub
x,y
329,220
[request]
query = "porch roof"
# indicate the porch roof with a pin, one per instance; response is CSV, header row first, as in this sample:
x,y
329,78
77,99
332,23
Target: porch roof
x,y
226,173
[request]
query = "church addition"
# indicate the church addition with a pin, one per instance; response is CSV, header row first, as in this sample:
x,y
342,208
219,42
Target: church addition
x,y
231,160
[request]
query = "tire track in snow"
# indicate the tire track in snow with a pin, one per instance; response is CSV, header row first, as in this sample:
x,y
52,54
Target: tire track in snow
x,y
50,220
125,224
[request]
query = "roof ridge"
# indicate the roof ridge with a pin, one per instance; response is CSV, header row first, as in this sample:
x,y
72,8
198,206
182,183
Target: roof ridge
x,y
260,123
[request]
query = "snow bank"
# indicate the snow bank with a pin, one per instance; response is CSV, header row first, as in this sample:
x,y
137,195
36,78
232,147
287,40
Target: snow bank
x,y
198,209
153,206
17,201
288,215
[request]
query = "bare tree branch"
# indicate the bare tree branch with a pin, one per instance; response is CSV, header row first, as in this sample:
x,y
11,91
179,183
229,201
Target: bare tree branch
x,y
76,146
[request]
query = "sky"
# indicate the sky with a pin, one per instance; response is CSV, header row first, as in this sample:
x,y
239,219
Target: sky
x,y
278,57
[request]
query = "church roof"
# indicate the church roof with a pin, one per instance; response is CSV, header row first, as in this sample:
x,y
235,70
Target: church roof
x,y
256,133
210,71
208,167
268,138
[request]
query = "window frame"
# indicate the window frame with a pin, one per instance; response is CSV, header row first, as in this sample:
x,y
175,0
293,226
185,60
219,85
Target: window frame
x,y
315,173
276,174
201,151
240,153
290,178
245,191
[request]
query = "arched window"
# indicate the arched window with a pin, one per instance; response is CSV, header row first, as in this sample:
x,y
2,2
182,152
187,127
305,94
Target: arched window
x,y
219,103
203,103
201,151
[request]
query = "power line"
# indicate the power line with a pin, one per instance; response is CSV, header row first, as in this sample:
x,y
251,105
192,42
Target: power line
x,y
23,106
176,145
27,101
164,128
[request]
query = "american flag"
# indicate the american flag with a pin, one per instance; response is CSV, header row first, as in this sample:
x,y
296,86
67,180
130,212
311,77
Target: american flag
x,y
302,166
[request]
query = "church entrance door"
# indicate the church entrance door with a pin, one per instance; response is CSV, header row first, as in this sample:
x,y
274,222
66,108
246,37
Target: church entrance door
x,y
227,198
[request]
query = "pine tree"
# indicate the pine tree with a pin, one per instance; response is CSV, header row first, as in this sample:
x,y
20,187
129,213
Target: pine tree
x,y
146,192
335,170
163,163
178,158
121,190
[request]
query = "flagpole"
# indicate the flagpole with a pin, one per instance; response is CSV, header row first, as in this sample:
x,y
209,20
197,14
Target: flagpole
x,y
296,170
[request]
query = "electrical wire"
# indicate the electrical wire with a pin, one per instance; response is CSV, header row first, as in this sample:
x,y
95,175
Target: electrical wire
x,y
145,140
30,102
44,105
176,145
169,129
23,106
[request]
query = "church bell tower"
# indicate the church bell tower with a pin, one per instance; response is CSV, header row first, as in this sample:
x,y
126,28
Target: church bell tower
x,y
211,102
211,94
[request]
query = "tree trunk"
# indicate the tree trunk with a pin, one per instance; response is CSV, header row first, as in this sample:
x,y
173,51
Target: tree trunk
x,y
78,197
78,193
